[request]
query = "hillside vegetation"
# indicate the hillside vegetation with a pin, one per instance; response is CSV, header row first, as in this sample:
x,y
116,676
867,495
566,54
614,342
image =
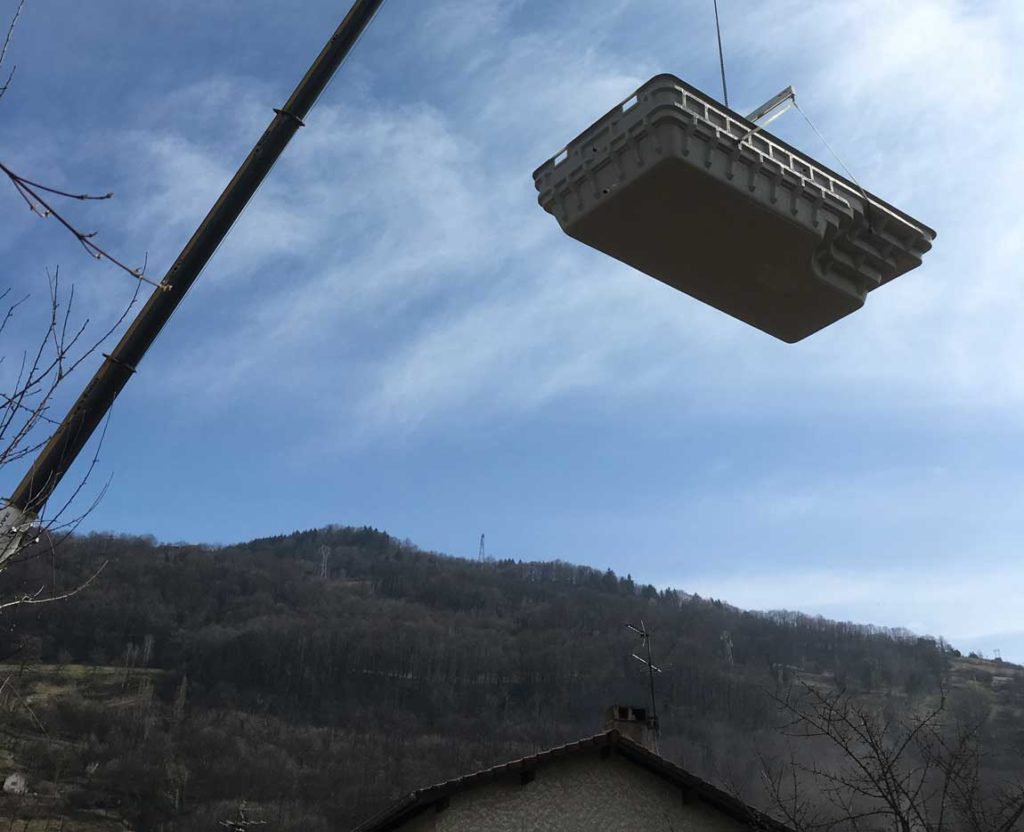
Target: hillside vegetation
x,y
188,681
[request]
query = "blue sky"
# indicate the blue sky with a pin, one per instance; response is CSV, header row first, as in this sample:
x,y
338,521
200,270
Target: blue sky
x,y
395,334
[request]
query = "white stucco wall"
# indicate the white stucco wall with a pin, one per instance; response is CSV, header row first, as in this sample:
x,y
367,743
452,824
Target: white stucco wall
x,y
581,794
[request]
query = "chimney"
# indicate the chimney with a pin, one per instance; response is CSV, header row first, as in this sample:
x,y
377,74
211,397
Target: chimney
x,y
634,724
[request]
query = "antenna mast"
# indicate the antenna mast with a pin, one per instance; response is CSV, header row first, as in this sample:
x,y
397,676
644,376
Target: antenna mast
x,y
481,555
652,668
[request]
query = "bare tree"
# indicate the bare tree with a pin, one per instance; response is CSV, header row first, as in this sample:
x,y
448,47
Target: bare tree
x,y
32,374
855,765
34,369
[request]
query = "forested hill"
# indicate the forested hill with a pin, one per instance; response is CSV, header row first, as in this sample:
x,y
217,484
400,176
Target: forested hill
x,y
250,676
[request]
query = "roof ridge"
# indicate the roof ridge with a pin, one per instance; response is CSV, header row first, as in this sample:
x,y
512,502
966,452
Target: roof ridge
x,y
416,801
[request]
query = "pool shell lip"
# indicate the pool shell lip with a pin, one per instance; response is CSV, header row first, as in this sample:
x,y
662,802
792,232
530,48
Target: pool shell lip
x,y
667,78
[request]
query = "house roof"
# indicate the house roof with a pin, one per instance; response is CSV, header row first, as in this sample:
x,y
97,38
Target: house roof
x,y
612,741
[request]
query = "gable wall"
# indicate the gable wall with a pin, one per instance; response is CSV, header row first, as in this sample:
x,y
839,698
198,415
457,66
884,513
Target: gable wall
x,y
579,794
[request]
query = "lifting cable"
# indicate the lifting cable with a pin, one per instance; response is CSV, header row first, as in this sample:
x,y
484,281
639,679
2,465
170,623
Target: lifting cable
x,y
721,56
842,164
773,105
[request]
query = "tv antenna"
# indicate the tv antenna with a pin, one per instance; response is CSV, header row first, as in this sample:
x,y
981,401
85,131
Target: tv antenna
x,y
648,662
482,553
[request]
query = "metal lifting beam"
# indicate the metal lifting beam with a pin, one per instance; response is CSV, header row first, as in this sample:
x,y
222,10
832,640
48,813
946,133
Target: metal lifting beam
x,y
60,452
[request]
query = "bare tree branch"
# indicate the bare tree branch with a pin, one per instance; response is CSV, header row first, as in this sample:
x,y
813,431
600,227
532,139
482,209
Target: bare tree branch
x,y
6,44
38,205
25,425
913,768
37,597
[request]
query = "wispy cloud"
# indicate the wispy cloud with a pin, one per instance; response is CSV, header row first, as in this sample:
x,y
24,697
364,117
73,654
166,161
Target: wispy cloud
x,y
421,208
932,548
971,605
419,216
394,284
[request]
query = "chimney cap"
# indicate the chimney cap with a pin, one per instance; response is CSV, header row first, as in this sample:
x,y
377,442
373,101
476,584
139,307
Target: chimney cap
x,y
626,713
634,724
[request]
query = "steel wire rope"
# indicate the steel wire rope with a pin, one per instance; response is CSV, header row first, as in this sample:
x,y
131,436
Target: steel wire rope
x,y
842,164
721,55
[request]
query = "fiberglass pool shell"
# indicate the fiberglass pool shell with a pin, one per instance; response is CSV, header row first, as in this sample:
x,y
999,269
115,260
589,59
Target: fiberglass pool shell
x,y
678,186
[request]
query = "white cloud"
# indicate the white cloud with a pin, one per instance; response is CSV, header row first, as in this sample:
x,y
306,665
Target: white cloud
x,y
966,603
930,548
395,275
462,24
944,336
421,218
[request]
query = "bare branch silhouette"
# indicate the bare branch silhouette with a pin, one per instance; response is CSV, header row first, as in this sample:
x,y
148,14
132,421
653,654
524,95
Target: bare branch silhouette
x,y
38,196
31,193
8,36
25,425
33,384
909,768
38,597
